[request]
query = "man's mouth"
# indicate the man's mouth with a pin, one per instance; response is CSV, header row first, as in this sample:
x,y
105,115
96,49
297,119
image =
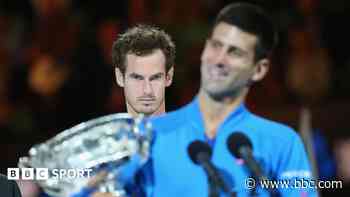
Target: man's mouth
x,y
146,99
217,73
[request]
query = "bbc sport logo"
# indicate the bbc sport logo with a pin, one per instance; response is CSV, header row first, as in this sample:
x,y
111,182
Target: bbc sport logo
x,y
45,173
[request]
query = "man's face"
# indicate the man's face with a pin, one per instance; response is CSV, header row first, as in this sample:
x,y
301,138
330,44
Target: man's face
x,y
144,82
228,61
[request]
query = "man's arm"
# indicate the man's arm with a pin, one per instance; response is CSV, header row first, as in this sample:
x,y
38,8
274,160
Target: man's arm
x,y
295,170
8,188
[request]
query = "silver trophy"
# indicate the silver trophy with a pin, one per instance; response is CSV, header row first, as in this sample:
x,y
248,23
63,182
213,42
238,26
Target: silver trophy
x,y
111,139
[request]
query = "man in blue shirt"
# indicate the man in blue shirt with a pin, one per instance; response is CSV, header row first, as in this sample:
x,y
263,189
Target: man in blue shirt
x,y
236,55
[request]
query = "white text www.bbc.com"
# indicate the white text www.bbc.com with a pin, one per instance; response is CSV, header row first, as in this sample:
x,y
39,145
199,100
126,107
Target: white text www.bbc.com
x,y
251,183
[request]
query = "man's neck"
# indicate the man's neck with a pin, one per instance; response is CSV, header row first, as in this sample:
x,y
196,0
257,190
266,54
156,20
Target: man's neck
x,y
214,112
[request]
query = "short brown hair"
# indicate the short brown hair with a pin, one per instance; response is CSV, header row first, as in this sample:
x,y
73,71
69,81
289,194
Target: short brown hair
x,y
142,40
252,19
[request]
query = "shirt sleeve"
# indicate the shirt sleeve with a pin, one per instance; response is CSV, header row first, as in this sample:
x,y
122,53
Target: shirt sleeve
x,y
294,173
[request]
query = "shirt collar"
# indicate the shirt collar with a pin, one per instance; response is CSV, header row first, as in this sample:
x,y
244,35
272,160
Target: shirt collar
x,y
194,115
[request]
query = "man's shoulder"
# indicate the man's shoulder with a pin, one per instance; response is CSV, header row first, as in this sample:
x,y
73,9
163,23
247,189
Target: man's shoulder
x,y
277,142
8,187
272,129
4,180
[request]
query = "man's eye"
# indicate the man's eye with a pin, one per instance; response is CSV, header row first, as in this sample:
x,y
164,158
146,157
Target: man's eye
x,y
158,77
215,44
136,77
235,52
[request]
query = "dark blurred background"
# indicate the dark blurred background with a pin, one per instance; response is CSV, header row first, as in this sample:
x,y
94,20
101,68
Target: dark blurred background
x,y
55,68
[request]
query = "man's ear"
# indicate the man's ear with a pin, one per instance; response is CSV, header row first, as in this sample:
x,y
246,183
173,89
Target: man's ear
x,y
261,69
169,76
119,77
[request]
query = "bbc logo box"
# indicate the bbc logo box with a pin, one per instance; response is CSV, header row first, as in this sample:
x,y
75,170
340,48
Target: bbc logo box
x,y
27,173
13,173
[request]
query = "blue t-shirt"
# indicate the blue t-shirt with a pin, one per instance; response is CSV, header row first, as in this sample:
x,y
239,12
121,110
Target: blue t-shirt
x,y
277,148
170,172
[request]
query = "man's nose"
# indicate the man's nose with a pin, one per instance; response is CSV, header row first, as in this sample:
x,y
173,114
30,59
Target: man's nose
x,y
220,57
147,87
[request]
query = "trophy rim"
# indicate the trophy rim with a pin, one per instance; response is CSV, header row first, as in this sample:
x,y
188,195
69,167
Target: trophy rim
x,y
82,127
